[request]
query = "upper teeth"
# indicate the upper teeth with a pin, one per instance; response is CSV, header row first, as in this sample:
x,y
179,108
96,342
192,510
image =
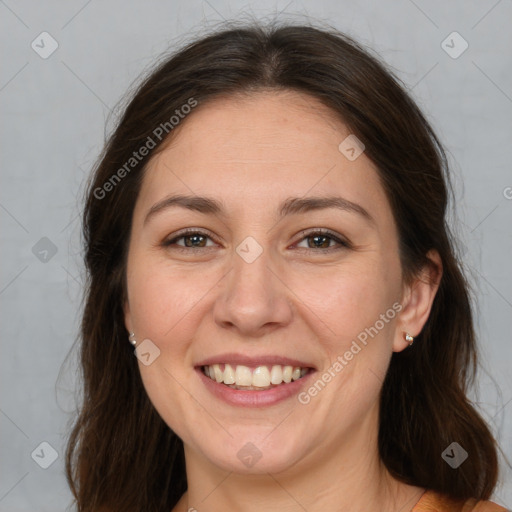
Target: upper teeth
x,y
259,377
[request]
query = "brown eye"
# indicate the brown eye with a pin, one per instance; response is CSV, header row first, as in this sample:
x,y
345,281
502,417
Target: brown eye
x,y
320,241
323,240
192,239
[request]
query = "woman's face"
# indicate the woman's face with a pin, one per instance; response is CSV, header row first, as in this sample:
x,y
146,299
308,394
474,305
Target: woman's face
x,y
257,286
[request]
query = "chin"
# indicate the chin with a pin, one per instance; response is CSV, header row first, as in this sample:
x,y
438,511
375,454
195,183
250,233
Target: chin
x,y
276,463
241,455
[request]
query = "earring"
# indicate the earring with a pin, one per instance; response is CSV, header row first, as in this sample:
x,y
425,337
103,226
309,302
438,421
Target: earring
x,y
409,338
132,339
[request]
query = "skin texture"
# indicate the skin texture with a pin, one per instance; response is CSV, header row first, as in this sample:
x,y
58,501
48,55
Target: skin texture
x,y
251,153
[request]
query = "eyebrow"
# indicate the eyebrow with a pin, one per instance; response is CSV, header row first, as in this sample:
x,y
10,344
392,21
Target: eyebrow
x,y
290,206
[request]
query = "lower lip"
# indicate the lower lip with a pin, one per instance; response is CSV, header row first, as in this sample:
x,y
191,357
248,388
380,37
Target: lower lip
x,y
246,398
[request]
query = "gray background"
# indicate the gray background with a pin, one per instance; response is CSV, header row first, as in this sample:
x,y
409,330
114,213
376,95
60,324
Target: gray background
x,y
54,112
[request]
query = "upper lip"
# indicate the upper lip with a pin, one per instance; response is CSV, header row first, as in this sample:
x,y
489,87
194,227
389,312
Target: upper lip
x,y
244,360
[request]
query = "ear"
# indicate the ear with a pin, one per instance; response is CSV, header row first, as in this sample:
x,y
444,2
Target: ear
x,y
417,299
127,317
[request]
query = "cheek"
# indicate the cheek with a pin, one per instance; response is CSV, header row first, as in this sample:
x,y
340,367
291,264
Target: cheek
x,y
165,307
161,298
349,300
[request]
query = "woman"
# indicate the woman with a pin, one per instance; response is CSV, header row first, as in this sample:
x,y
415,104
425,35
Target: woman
x,y
267,228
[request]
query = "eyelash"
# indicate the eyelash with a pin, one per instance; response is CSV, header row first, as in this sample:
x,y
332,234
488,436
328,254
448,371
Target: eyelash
x,y
343,244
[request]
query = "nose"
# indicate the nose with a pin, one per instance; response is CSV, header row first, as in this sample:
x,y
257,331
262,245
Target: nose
x,y
254,299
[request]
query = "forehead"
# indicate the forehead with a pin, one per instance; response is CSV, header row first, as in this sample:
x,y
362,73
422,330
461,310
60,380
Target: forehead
x,y
259,128
261,148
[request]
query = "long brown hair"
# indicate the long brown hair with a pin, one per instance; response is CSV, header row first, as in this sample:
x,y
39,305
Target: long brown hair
x,y
121,455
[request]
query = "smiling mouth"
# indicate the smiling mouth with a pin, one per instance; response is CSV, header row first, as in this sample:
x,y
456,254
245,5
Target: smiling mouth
x,y
258,378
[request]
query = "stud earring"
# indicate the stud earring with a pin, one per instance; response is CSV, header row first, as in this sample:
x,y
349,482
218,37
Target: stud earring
x,y
132,339
409,338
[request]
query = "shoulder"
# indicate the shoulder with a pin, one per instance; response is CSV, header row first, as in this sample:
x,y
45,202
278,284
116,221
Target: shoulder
x,y
435,502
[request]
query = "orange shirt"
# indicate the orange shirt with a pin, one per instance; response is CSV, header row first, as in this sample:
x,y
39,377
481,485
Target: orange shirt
x,y
434,502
